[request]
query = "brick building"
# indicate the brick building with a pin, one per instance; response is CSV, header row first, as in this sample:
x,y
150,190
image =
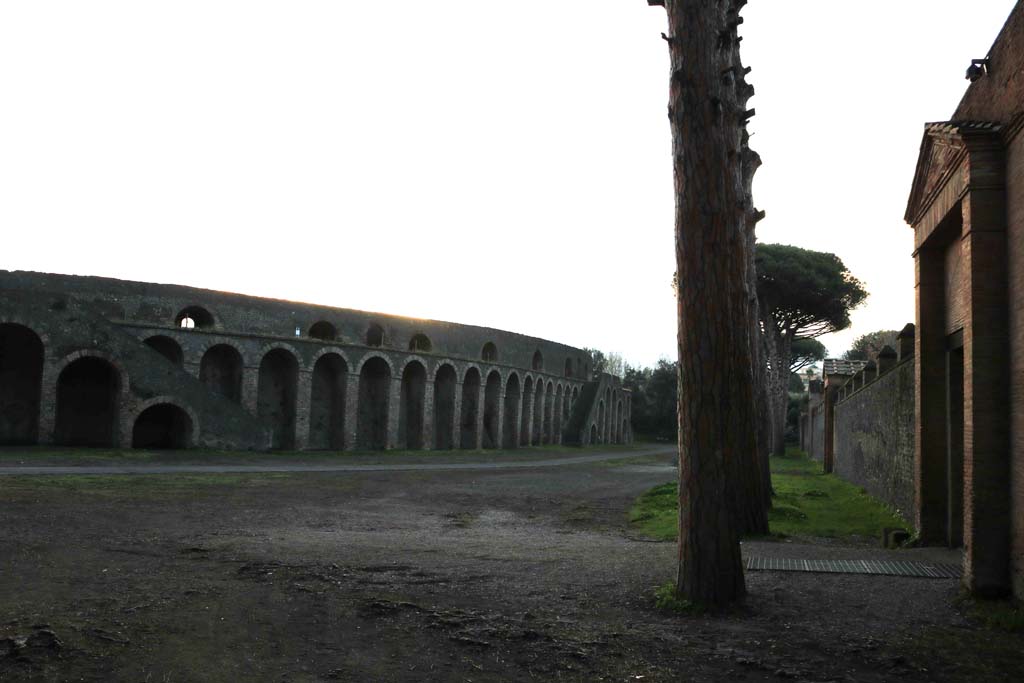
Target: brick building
x,y
88,361
967,211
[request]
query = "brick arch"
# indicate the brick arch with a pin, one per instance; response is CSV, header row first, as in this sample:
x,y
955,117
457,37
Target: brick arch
x,y
43,336
220,341
325,351
370,356
141,407
267,348
215,323
465,371
427,365
443,362
67,360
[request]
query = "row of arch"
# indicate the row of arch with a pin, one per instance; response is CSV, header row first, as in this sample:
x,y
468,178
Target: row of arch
x,y
466,412
197,317
87,400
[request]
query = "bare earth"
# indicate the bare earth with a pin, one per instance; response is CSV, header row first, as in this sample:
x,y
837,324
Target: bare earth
x,y
500,574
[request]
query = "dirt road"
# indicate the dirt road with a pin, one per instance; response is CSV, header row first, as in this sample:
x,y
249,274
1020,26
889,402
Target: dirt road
x,y
524,573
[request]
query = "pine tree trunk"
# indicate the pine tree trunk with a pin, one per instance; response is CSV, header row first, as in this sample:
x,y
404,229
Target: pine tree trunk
x,y
717,431
779,349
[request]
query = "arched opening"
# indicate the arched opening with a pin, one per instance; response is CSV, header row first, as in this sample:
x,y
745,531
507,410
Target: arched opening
x,y
524,425
168,348
194,317
374,391
323,330
162,426
625,431
538,414
21,374
510,427
88,392
568,367
419,342
275,397
410,412
492,412
221,371
600,421
489,352
549,411
470,409
538,360
327,403
375,335
444,408
593,434
566,408
556,436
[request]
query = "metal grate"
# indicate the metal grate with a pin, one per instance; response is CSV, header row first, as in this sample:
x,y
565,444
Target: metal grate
x,y
926,570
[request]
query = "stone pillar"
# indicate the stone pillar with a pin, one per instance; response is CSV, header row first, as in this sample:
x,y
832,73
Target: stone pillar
x,y
480,415
456,425
192,369
303,402
930,397
905,342
829,398
394,409
539,414
48,404
250,389
498,434
986,394
886,360
428,415
527,438
351,411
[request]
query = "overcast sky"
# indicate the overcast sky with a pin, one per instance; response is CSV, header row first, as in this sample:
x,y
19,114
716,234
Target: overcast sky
x,y
501,164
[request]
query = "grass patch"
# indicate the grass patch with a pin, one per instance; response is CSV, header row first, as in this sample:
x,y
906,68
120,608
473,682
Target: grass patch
x,y
666,598
998,615
134,486
43,455
807,503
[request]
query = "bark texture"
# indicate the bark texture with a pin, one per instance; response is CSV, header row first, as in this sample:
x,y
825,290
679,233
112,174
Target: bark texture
x,y
717,425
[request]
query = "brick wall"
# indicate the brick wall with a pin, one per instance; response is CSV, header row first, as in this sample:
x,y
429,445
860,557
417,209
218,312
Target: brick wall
x,y
1015,242
874,438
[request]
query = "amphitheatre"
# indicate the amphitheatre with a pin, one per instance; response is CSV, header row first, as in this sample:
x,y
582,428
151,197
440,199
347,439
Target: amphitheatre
x,y
98,362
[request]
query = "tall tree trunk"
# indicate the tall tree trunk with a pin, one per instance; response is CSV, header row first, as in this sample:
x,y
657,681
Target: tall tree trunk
x,y
717,432
779,347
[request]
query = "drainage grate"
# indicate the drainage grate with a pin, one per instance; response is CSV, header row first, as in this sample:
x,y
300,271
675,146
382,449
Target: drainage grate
x,y
884,567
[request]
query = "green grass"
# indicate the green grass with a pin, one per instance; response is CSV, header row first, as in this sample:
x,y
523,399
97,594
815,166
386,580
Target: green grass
x,y
998,615
43,455
806,503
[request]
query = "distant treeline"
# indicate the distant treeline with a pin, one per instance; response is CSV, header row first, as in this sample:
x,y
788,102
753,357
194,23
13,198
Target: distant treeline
x,y
654,400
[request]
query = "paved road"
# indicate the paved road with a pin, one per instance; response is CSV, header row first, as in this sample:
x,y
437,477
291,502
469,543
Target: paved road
x,y
142,468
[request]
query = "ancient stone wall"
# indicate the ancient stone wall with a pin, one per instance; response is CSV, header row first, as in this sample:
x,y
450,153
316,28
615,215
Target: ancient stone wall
x,y
223,370
874,437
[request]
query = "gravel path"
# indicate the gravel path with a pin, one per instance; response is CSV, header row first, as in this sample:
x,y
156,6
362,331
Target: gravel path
x,y
270,466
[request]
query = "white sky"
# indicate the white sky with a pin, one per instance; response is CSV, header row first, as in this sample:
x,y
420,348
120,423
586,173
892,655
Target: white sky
x,y
501,164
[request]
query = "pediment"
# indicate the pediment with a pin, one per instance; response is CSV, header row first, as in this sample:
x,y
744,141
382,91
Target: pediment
x,y
939,158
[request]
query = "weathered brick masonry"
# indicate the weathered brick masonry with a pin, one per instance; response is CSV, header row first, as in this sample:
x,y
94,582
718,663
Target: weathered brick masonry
x,y
101,362
874,434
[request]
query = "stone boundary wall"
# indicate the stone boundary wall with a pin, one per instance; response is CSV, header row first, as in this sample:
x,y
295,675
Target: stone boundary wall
x,y
874,435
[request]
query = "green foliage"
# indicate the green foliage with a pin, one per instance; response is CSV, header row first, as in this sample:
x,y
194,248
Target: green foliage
x,y
999,615
867,346
796,385
805,293
654,400
807,503
666,597
805,352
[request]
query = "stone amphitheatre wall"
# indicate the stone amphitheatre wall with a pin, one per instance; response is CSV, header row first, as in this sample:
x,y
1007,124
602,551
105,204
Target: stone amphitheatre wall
x,y
102,362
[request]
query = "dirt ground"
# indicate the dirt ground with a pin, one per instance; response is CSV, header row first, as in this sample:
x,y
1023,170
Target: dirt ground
x,y
463,575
